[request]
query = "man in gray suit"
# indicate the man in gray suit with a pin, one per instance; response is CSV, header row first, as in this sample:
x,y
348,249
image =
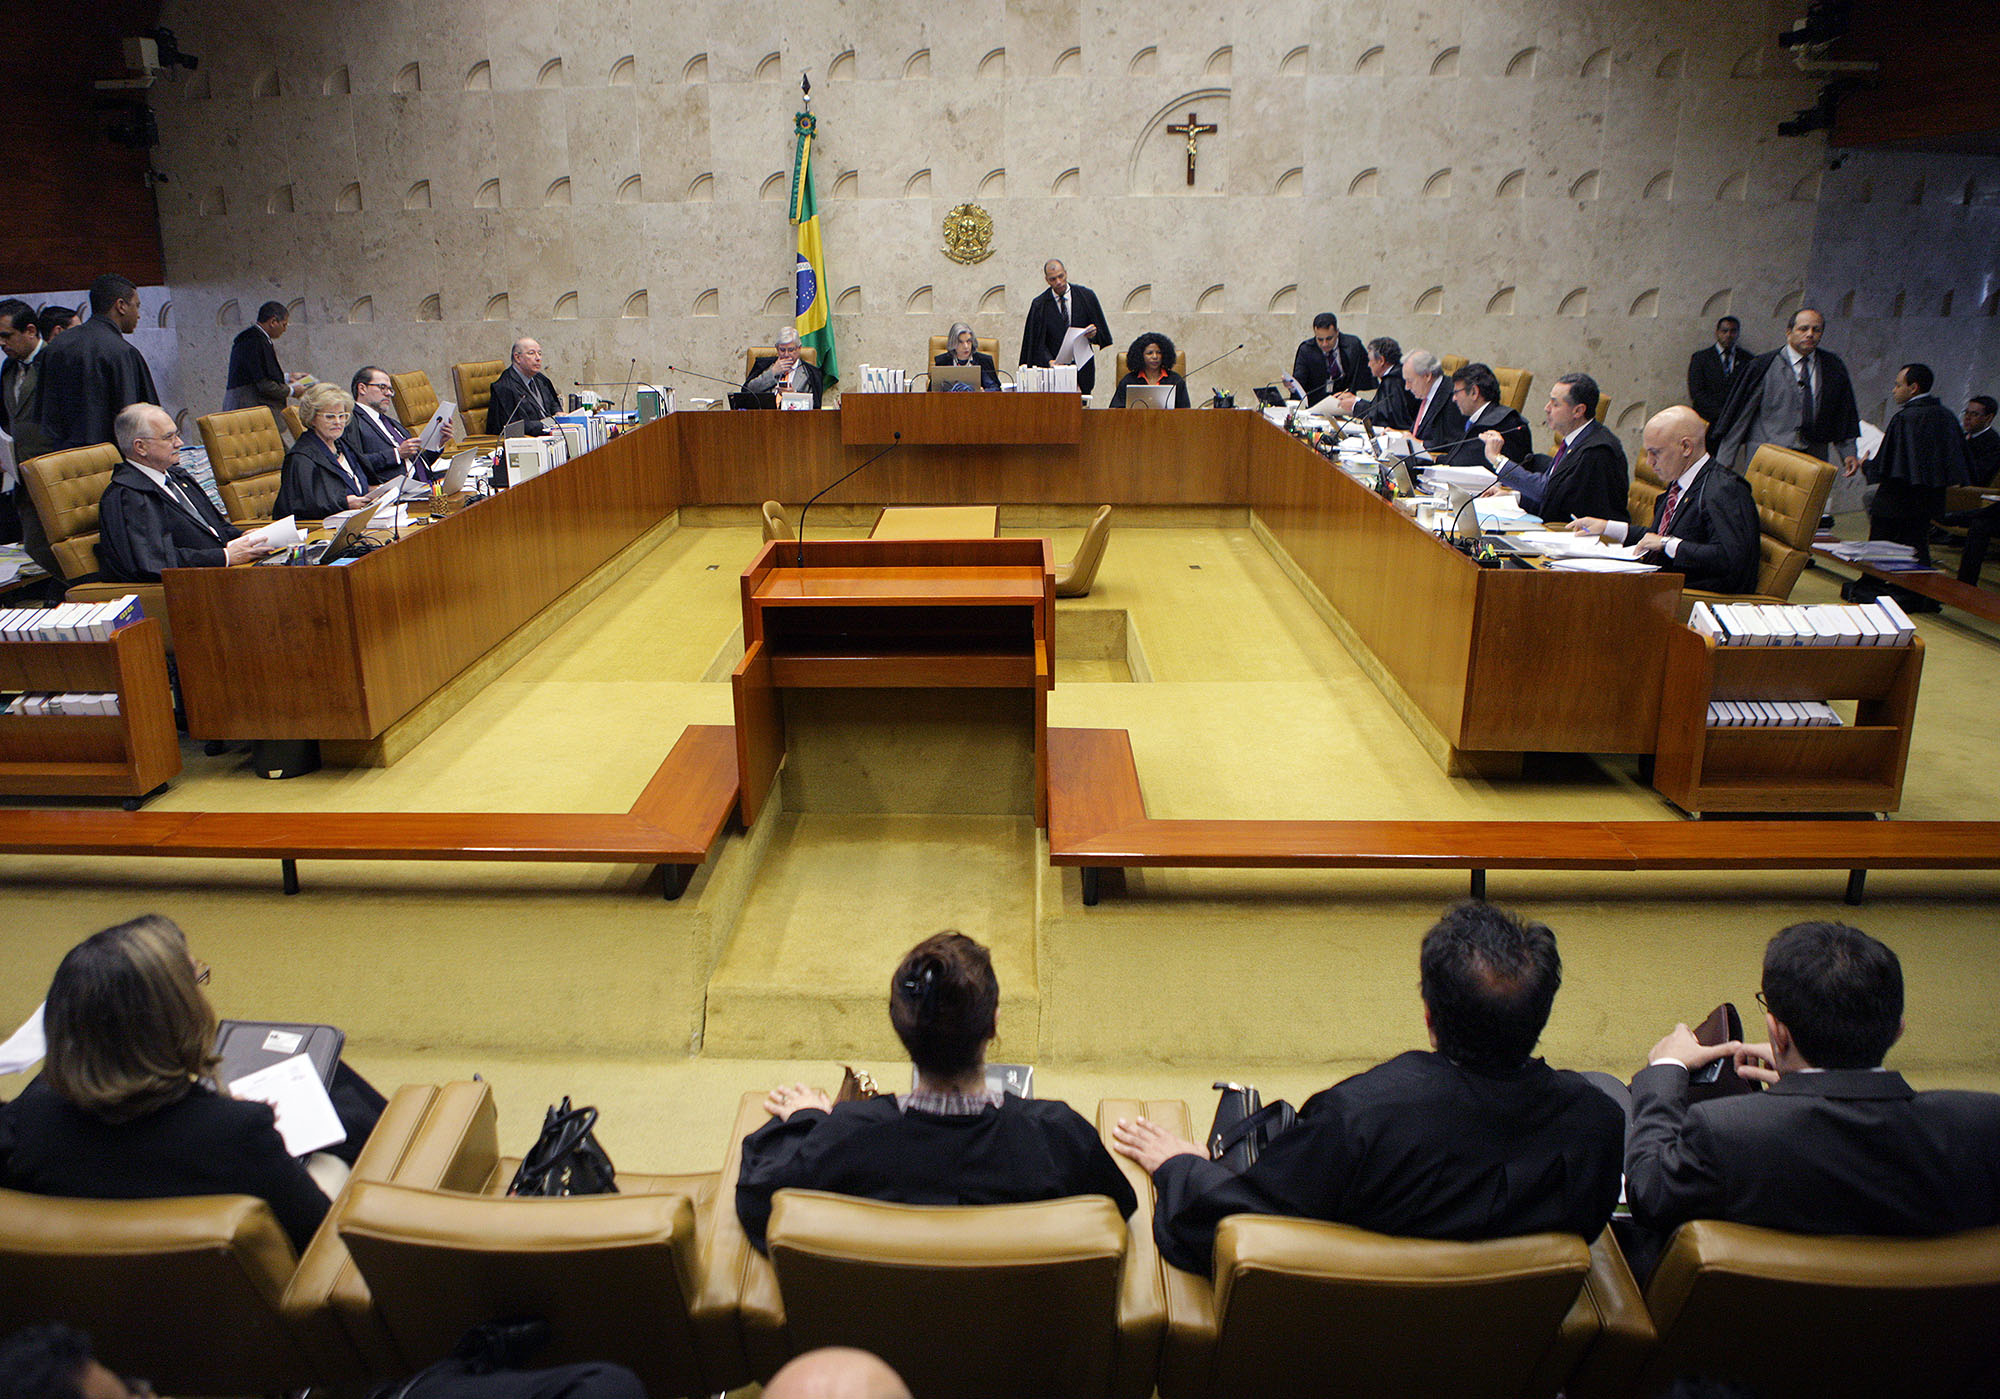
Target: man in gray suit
x,y
21,419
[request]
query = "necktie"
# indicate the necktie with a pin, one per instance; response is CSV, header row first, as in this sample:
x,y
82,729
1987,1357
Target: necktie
x,y
182,489
1063,302
1667,515
1805,395
1556,460
1728,363
1333,364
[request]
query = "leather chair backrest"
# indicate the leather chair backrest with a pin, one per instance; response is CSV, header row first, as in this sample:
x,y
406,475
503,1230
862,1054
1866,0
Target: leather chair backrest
x,y
1603,407
1786,1314
184,1291
294,424
1074,578
1514,386
1791,491
247,455
611,1274
756,352
1646,489
414,398
64,488
1452,364
474,381
984,344
1368,1314
776,526
961,1300
1180,363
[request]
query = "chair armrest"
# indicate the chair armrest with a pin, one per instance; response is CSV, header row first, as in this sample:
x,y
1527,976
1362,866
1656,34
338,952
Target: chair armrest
x,y
1625,1335
734,1262
1142,1298
1188,1344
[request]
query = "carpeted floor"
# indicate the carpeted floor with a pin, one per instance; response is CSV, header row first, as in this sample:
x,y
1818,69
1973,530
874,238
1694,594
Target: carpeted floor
x,y
774,965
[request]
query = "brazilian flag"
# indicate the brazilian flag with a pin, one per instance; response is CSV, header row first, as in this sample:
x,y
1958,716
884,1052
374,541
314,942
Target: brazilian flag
x,y
814,322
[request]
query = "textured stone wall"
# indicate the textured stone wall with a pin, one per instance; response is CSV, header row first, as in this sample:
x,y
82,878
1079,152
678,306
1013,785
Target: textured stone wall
x,y
1548,185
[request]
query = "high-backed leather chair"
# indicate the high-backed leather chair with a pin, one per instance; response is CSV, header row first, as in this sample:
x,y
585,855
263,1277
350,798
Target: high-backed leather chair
x,y
414,398
1790,489
1788,1315
1603,407
1452,364
1179,366
1514,386
1643,493
64,487
474,382
756,352
247,455
776,526
985,344
1073,579
294,424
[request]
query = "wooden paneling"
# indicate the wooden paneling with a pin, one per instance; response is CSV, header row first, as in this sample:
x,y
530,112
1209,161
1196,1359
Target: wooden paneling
x,y
960,419
124,754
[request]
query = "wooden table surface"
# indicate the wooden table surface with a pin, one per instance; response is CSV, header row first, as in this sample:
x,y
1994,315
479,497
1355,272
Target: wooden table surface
x,y
937,522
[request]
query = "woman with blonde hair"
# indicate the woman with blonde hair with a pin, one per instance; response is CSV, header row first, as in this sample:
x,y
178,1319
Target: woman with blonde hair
x,y
125,1107
321,476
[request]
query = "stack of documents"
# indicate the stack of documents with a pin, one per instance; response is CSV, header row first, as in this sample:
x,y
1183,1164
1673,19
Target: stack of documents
x,y
1877,623
1880,553
1772,714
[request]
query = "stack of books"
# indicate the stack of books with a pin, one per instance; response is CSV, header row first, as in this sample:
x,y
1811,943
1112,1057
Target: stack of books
x,y
36,705
70,621
1767,714
1877,623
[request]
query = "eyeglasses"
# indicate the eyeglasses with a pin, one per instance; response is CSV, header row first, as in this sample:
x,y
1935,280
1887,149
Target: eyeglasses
x,y
1762,1002
161,437
201,972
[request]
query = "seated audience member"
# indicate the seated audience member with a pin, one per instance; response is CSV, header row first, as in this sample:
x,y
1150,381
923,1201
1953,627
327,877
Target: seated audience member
x,y
1392,408
961,348
125,1107
1434,417
319,477
52,320
255,376
153,515
1586,476
375,436
951,1140
1836,1144
786,371
835,1372
522,401
53,1361
1477,393
1150,361
1982,441
1473,1139
1331,362
1705,524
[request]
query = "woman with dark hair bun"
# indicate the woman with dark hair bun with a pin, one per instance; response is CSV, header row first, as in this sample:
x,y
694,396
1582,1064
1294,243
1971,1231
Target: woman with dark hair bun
x,y
951,1140
1150,360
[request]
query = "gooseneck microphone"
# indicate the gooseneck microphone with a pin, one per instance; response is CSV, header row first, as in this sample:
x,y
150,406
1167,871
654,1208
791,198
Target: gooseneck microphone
x,y
801,559
678,369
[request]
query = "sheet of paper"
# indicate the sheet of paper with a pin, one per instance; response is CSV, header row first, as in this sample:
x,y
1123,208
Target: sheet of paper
x,y
1471,478
6,461
306,1119
1603,565
1075,347
1870,441
279,534
26,1047
438,428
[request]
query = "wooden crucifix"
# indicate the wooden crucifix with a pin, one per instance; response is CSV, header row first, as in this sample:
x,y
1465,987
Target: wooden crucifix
x,y
1194,130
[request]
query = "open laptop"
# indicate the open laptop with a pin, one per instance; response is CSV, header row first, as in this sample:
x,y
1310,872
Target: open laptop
x,y
1149,395
460,467
753,400
347,540
945,377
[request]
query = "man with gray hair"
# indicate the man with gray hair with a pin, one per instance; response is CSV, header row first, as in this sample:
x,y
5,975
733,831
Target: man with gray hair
x,y
786,371
523,400
1392,408
1435,418
154,515
1796,396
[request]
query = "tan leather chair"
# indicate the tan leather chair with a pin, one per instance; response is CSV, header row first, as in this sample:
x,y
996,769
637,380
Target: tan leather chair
x,y
1073,579
474,382
1180,365
757,352
1514,386
630,1278
1452,364
1790,489
247,455
776,526
1643,494
985,344
414,398
1789,1315
64,487
1603,407
294,424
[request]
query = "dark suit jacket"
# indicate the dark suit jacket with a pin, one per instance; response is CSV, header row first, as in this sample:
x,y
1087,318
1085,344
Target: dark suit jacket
x,y
142,530
1843,1152
510,391
1984,448
989,377
1708,385
1591,479
1441,421
1043,334
1392,407
25,425
1835,418
255,376
1418,1147
311,485
764,362
1178,384
89,373
375,448
1309,368
1716,522
1493,417
201,1145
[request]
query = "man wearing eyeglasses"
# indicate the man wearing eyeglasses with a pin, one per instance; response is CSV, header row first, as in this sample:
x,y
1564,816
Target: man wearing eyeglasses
x,y
375,436
154,515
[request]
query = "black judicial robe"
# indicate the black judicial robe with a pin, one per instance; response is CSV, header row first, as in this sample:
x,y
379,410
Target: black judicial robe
x,y
1393,407
1835,417
311,484
89,373
1025,1149
1418,1147
513,395
1716,523
142,530
1591,479
1441,421
1984,448
1309,368
1923,451
1043,334
1178,384
1519,442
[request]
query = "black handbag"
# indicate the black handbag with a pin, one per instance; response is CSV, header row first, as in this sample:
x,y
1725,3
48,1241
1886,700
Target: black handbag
x,y
566,1159
1245,1125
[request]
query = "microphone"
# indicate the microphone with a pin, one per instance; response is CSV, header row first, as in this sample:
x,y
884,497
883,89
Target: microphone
x,y
809,504
1217,360
631,372
734,386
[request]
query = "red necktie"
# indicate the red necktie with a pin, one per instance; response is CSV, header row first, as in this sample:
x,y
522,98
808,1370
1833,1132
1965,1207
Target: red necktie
x,y
1667,515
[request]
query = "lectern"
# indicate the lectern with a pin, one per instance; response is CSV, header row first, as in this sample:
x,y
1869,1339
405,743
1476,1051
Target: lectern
x,y
918,614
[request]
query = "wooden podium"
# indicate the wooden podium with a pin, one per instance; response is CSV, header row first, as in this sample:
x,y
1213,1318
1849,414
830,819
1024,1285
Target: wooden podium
x,y
890,614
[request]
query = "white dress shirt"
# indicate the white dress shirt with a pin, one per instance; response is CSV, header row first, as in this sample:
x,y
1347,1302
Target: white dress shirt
x,y
1624,530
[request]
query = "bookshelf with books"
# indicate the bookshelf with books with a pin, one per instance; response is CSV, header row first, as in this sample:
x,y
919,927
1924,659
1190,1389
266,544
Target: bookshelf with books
x,y
1743,717
88,711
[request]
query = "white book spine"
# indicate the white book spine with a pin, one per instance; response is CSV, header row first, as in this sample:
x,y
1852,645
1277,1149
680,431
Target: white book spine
x,y
1864,624
1777,625
1703,621
1898,619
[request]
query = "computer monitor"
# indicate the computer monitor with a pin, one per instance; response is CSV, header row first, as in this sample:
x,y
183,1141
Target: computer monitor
x,y
944,376
753,400
1149,395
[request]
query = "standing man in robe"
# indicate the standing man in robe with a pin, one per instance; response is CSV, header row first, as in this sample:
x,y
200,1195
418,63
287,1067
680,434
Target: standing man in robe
x,y
1052,315
255,376
91,373
1796,396
1923,451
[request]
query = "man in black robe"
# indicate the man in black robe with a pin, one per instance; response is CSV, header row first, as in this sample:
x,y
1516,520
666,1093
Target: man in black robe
x,y
1330,362
91,373
1982,443
1052,315
154,516
522,398
1474,1139
1712,370
1393,408
1434,417
1476,391
1704,525
1923,451
255,376
1586,476
1797,396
